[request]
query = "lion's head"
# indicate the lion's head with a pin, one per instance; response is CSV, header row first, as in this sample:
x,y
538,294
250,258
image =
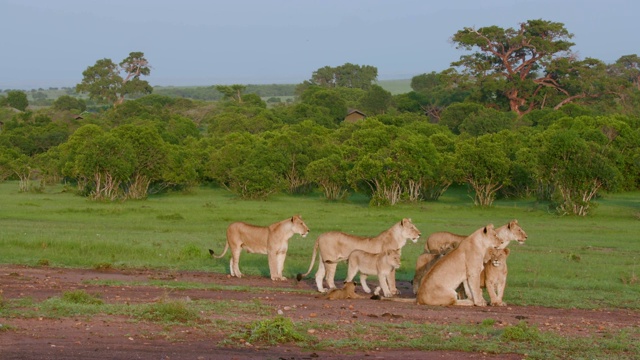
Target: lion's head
x,y
299,227
498,256
393,258
516,232
409,231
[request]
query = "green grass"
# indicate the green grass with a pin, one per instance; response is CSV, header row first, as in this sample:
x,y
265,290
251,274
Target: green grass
x,y
567,262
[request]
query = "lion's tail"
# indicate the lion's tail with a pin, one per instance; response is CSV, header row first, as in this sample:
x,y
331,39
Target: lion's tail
x,y
313,261
226,247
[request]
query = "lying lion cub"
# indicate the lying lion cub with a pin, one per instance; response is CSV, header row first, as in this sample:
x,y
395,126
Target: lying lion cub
x,y
347,292
494,275
382,264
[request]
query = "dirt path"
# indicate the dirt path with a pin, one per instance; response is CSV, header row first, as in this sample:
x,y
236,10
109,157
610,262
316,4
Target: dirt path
x,y
117,337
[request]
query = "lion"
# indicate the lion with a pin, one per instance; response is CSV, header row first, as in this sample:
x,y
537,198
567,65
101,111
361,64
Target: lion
x,y
334,246
381,264
494,275
442,241
272,240
424,263
347,292
464,263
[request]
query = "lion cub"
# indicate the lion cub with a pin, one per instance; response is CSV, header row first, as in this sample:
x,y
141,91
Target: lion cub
x,y
347,292
494,275
382,265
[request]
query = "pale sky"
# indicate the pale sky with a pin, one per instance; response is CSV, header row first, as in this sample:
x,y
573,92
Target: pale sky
x,y
49,43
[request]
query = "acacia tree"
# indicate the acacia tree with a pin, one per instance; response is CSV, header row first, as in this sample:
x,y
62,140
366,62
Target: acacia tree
x,y
108,82
525,65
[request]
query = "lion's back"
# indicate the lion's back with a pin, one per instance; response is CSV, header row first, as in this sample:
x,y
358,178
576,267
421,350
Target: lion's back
x,y
442,241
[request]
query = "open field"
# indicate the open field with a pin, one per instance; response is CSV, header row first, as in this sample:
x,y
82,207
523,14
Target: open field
x,y
81,277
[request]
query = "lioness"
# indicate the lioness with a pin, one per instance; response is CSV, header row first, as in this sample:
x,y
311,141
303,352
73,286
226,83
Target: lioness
x,y
347,292
335,246
272,240
382,265
441,241
464,263
494,275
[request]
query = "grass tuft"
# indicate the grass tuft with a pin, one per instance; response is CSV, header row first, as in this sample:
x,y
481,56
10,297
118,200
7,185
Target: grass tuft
x,y
169,311
278,330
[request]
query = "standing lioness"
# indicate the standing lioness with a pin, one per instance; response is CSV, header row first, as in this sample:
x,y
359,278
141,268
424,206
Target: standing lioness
x,y
441,241
335,246
272,240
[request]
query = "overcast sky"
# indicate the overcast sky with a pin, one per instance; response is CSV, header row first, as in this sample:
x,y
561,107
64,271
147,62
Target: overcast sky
x,y
49,43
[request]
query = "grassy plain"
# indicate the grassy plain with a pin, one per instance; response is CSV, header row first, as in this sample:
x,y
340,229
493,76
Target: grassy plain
x,y
571,262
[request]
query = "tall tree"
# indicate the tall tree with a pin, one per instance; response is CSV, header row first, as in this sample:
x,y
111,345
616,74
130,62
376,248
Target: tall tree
x,y
523,64
108,82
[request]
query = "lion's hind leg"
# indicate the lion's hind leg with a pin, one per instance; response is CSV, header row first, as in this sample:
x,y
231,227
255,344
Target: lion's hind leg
x,y
234,267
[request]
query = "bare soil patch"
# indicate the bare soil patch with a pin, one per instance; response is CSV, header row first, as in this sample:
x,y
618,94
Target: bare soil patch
x,y
115,337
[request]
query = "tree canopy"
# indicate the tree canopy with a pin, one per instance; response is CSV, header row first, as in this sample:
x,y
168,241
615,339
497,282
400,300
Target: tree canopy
x,y
108,82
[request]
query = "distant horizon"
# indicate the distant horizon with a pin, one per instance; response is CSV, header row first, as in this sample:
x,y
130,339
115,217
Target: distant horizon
x,y
202,43
203,83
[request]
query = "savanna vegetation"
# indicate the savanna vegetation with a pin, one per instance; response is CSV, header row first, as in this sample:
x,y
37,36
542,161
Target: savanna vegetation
x,y
519,116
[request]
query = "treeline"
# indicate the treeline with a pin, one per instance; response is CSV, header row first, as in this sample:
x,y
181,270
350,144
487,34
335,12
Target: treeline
x,y
156,143
210,93
520,117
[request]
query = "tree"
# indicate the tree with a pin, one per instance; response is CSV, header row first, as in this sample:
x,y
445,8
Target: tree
x,y
347,75
524,64
149,156
232,92
483,164
376,100
577,169
17,99
104,82
66,102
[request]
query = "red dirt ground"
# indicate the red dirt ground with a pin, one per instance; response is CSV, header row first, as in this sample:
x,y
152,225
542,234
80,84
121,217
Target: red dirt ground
x,y
115,337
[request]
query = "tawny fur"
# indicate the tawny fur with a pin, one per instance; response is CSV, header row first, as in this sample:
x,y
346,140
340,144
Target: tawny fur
x,y
333,247
444,241
494,275
347,292
464,263
272,240
382,265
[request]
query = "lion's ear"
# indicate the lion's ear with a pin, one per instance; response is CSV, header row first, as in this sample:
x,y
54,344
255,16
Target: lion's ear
x,y
506,251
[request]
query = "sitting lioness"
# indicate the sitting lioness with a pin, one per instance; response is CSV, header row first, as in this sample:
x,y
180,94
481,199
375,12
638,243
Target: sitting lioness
x,y
442,241
382,265
464,263
347,292
335,246
272,240
494,275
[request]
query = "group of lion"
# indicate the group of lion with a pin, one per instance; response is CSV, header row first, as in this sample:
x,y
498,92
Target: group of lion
x,y
452,270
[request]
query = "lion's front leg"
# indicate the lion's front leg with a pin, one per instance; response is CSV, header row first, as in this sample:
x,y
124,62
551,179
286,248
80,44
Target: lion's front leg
x,y
273,265
392,282
363,282
476,291
384,285
280,257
